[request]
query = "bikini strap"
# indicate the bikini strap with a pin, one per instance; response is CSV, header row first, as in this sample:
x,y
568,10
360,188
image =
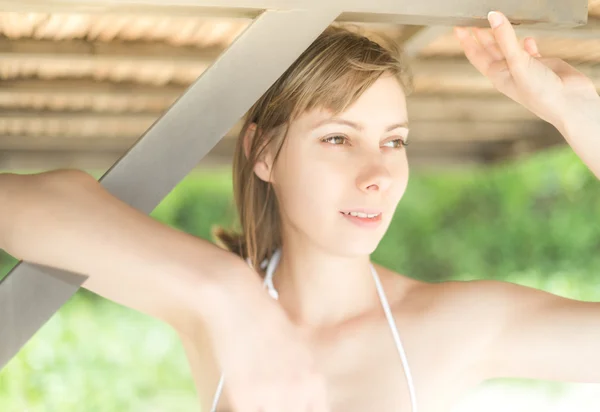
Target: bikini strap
x,y
392,323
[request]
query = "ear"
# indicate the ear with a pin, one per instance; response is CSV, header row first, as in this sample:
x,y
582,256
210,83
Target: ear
x,y
263,166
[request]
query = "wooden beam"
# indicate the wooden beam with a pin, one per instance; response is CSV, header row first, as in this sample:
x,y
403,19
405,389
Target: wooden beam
x,y
421,155
421,38
416,38
75,125
125,127
588,31
82,50
30,161
86,95
425,12
461,108
82,97
458,76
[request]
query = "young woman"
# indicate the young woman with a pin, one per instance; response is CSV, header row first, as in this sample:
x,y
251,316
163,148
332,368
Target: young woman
x,y
319,170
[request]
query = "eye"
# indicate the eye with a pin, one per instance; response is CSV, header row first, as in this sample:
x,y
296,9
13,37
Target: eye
x,y
396,143
335,140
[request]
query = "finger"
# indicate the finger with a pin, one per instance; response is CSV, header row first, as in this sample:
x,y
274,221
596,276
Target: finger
x,y
531,47
488,42
507,41
475,53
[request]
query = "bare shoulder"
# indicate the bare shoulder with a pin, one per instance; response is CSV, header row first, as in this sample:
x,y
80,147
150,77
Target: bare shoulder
x,y
452,296
467,316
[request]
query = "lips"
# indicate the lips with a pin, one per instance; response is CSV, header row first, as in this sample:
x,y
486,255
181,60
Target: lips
x,y
363,217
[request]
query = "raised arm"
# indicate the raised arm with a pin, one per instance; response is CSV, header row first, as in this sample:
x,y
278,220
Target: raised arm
x,y
580,126
67,220
527,332
548,87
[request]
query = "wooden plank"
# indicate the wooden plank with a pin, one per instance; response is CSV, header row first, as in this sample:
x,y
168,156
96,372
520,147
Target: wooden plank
x,y
421,155
458,76
422,38
32,161
420,131
551,13
18,97
86,51
588,31
416,38
460,108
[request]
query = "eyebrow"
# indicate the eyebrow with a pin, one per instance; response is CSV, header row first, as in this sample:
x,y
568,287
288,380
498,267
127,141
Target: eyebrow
x,y
357,126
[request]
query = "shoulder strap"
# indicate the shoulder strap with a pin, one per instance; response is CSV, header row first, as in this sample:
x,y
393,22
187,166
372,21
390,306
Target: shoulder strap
x,y
390,318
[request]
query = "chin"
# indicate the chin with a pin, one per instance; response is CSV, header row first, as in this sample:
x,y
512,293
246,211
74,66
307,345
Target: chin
x,y
354,246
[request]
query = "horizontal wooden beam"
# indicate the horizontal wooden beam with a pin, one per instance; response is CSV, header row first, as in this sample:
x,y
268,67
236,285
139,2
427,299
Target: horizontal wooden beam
x,y
424,12
417,38
86,95
18,160
82,97
458,76
588,31
421,38
89,51
126,127
423,155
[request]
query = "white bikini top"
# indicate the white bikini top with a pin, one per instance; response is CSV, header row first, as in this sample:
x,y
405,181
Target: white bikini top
x,y
268,283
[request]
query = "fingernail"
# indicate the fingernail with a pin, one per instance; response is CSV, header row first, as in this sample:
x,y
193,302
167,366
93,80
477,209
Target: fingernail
x,y
495,19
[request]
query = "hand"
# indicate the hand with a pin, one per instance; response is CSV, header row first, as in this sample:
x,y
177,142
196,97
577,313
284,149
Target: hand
x,y
548,87
267,364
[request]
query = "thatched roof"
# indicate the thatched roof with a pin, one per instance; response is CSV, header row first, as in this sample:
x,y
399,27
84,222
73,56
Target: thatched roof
x,y
78,89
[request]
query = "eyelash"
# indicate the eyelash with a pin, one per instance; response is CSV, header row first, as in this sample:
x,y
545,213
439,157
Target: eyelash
x,y
403,143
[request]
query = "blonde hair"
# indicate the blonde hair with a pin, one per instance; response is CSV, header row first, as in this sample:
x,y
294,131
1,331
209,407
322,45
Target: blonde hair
x,y
332,73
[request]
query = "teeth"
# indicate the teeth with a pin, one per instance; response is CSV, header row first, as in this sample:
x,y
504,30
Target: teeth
x,y
362,215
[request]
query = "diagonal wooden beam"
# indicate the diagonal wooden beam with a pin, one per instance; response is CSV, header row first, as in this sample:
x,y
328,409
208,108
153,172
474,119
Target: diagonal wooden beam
x,y
30,295
551,13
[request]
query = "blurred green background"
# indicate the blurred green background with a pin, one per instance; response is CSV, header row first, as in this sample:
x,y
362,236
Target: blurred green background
x,y
534,222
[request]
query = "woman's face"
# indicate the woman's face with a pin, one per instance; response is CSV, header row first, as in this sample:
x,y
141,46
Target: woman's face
x,y
353,162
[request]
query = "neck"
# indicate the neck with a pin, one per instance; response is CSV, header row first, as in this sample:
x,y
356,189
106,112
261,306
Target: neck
x,y
318,288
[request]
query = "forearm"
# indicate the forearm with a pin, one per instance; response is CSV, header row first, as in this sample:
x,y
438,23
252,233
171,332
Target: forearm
x,y
581,128
67,220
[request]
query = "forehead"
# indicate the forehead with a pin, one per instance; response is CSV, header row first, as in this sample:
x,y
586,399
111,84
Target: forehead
x,y
383,103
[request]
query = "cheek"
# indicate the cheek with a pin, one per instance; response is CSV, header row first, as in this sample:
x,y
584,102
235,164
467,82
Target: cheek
x,y
310,189
399,173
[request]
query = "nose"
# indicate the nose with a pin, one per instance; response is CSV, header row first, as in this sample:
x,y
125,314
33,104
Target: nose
x,y
374,175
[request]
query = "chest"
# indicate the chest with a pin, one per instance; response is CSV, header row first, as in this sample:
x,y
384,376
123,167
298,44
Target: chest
x,y
364,370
